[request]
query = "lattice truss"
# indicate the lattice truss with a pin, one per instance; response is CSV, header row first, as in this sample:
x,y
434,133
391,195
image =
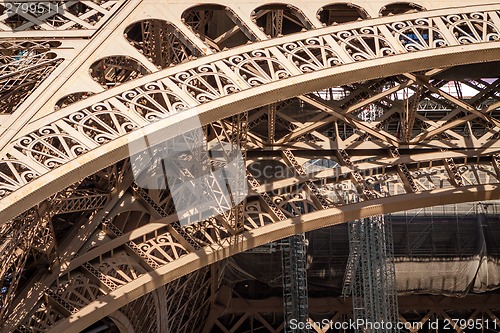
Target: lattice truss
x,y
25,62
415,311
55,15
311,153
371,267
324,181
23,65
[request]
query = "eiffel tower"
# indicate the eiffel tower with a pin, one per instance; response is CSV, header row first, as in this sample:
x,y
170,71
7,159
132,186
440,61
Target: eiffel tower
x,y
280,88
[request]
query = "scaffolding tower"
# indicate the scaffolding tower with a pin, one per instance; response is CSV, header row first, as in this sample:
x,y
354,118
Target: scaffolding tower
x,y
293,254
370,275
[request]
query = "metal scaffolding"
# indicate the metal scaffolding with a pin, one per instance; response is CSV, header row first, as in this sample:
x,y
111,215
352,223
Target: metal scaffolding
x,y
294,281
370,275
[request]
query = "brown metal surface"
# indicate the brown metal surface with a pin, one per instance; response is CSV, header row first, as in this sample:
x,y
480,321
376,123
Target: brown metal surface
x,y
79,86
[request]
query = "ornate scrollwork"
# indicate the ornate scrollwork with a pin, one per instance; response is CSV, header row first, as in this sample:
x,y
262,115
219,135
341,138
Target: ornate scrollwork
x,y
102,125
255,216
207,232
472,28
14,174
125,109
163,249
205,83
78,291
364,43
153,101
418,34
158,99
120,269
295,204
50,147
311,54
258,67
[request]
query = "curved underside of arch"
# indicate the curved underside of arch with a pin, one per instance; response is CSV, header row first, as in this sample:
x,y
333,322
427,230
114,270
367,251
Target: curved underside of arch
x,y
245,80
368,166
250,239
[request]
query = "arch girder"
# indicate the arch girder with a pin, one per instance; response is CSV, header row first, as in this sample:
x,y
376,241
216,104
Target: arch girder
x,y
145,283
247,76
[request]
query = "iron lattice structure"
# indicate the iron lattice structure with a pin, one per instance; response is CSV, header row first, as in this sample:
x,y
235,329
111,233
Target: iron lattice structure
x,y
370,274
295,296
84,246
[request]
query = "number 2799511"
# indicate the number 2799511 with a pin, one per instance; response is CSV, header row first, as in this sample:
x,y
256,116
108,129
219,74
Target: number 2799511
x,y
29,7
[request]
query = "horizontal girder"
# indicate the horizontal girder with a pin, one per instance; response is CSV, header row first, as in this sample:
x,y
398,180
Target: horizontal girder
x,y
420,313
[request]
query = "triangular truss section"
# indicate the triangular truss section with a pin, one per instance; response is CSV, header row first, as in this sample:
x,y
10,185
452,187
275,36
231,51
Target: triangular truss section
x,y
23,66
55,15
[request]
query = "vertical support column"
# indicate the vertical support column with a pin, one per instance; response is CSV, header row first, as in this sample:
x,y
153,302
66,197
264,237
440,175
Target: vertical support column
x,y
271,124
353,279
274,23
239,140
373,285
295,296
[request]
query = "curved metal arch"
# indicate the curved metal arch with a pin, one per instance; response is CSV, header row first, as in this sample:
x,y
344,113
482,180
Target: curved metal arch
x,y
122,322
236,19
347,4
176,32
293,8
384,166
414,5
213,4
383,174
428,180
262,235
115,62
208,5
107,154
296,76
284,82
